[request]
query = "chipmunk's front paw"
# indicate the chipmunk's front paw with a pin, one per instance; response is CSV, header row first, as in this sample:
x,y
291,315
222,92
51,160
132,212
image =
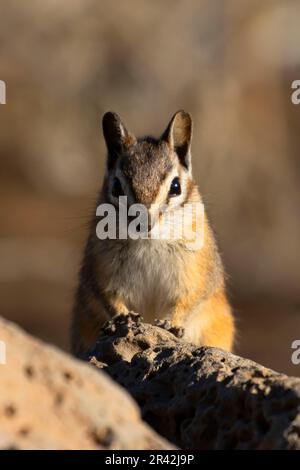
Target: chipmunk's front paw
x,y
167,325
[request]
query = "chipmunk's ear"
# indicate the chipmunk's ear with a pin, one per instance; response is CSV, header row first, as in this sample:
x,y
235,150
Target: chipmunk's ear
x,y
179,135
116,136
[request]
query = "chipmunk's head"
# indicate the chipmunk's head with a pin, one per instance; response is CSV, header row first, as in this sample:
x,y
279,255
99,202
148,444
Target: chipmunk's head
x,y
153,172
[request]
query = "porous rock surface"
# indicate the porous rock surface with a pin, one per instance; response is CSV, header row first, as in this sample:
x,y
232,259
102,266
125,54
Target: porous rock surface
x,y
199,398
48,400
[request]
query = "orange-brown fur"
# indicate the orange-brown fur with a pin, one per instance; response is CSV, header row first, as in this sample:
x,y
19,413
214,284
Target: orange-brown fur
x,y
157,278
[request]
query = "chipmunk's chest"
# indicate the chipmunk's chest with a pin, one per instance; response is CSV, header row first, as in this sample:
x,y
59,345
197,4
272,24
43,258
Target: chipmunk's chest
x,y
147,277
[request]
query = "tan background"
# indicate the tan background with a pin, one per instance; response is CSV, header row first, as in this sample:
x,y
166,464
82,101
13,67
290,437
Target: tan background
x,y
229,63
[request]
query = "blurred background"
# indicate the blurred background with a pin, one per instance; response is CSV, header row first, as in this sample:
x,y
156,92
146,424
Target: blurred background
x,y
231,65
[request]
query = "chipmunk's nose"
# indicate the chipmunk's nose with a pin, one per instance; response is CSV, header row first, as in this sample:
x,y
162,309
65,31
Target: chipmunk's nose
x,y
144,226
141,229
149,227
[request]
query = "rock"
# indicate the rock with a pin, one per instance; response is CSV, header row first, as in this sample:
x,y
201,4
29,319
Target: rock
x,y
200,398
49,400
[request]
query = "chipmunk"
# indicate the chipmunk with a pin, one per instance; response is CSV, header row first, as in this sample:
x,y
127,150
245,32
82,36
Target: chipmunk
x,y
158,278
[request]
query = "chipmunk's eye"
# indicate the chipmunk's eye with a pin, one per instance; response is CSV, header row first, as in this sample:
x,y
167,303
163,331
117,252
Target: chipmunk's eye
x,y
175,188
117,189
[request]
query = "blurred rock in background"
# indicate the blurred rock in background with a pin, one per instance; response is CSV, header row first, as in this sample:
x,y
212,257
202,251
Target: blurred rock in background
x,y
230,64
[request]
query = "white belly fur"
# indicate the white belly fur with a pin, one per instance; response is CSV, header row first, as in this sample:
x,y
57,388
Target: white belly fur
x,y
146,277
